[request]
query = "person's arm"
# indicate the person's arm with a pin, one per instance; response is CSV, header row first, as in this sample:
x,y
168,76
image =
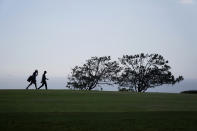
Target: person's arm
x,y
46,78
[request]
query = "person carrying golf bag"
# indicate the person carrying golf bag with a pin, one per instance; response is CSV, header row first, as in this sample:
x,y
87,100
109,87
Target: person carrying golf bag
x,y
32,79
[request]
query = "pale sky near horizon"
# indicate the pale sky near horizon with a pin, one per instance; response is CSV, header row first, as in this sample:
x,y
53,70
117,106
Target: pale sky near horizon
x,y
56,35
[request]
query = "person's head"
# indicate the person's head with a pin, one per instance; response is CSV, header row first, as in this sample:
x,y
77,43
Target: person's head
x,y
45,72
36,71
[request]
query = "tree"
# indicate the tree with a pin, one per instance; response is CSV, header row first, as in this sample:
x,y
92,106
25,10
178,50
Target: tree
x,y
97,70
141,72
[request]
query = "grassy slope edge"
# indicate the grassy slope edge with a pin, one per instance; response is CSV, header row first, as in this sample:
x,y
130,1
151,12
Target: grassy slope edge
x,y
84,110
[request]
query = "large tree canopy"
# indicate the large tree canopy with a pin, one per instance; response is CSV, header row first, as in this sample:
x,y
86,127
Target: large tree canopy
x,y
97,70
138,72
143,71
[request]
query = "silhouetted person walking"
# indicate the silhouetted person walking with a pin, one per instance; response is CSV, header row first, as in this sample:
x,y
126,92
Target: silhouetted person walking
x,y
44,80
32,79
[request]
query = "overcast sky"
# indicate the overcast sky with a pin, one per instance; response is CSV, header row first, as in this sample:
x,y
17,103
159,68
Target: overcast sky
x,y
56,35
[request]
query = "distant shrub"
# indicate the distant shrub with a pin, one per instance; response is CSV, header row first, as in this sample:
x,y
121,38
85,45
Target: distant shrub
x,y
125,89
190,92
122,89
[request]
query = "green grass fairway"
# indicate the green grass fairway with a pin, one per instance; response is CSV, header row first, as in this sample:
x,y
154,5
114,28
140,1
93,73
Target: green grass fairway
x,y
55,110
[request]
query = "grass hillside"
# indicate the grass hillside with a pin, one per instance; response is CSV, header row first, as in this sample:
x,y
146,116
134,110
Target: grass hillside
x,y
85,110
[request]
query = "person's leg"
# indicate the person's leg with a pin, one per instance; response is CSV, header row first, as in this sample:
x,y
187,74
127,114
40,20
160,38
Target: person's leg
x,y
28,86
35,85
41,86
46,85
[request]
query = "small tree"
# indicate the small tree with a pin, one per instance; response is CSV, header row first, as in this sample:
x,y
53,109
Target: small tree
x,y
141,72
97,70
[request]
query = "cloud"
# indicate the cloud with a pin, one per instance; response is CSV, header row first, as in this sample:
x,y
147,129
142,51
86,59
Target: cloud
x,y
186,1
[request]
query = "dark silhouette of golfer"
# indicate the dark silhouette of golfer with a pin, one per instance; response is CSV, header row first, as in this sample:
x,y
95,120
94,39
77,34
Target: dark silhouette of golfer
x,y
32,79
44,80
